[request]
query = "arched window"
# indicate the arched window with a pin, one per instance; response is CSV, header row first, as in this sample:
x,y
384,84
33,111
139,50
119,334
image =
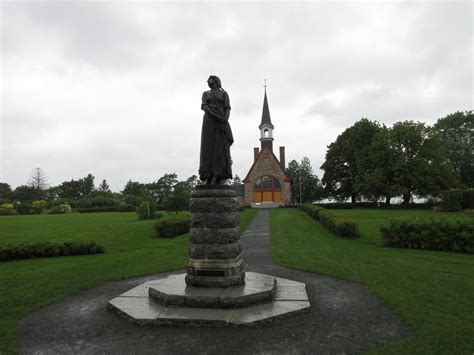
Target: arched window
x,y
266,182
265,133
267,189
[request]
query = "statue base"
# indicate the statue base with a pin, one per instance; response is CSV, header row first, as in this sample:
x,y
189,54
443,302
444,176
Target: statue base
x,y
214,249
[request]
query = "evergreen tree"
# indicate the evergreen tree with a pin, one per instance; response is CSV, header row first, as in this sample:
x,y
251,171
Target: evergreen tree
x,y
104,186
305,185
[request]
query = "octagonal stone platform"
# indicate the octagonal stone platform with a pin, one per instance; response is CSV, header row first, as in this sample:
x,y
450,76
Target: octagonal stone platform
x,y
169,300
174,292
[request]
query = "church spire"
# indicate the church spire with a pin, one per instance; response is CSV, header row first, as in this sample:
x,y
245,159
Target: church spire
x,y
266,120
266,126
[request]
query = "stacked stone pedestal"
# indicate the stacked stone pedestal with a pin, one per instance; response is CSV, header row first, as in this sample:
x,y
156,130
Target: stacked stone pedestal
x,y
214,250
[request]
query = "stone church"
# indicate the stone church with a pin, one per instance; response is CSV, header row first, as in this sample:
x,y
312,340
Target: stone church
x,y
266,183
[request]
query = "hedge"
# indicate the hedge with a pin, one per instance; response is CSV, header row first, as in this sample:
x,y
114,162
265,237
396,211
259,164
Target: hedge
x,y
96,209
456,200
451,200
46,249
125,207
433,234
172,226
6,209
467,199
339,226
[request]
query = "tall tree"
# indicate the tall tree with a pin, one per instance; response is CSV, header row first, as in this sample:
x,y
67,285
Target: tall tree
x,y
456,131
341,166
38,179
133,188
178,199
5,191
87,185
104,186
27,193
163,187
305,185
376,177
69,190
191,182
418,161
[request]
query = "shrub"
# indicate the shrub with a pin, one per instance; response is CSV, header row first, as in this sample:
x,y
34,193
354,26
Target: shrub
x,y
125,207
337,205
439,234
103,201
341,227
96,209
84,202
172,226
38,205
346,228
23,208
61,209
467,199
46,249
451,200
6,209
145,211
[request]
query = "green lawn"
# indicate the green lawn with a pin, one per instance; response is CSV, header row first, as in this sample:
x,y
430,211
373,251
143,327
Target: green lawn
x,y
131,250
432,291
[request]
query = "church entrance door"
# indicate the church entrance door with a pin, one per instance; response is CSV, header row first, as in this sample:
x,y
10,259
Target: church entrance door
x,y
267,189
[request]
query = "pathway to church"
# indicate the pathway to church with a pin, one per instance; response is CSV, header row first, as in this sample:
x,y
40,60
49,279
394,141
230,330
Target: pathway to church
x,y
344,318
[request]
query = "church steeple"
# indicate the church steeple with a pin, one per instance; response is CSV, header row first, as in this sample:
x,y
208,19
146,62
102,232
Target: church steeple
x,y
266,126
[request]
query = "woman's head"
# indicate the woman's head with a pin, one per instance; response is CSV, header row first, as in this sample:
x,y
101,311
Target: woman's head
x,y
215,79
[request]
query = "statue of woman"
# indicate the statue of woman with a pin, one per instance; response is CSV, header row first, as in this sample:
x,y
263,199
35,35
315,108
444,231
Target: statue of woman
x,y
216,135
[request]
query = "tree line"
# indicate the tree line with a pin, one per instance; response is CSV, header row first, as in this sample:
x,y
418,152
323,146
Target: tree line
x,y
374,162
165,193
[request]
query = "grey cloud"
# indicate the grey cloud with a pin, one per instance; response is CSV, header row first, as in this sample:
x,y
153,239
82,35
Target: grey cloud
x,y
93,32
141,67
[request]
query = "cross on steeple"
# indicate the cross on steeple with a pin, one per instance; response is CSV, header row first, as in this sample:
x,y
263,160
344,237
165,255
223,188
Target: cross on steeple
x,y
265,84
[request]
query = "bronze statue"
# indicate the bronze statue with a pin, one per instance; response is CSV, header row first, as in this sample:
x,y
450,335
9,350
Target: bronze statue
x,y
216,135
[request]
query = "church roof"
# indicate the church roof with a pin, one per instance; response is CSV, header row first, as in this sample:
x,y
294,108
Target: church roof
x,y
266,113
257,161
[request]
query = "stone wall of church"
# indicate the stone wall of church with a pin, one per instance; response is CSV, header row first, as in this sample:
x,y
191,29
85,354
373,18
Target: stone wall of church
x,y
267,164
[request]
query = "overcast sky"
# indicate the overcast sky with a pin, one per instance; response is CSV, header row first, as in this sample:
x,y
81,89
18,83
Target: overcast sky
x,y
114,88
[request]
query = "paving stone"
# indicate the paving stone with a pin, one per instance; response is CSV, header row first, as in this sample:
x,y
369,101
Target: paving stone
x,y
287,293
138,309
267,311
167,294
286,282
139,291
195,314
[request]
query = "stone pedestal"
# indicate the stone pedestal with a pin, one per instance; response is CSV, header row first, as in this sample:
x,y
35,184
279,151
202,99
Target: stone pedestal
x,y
214,249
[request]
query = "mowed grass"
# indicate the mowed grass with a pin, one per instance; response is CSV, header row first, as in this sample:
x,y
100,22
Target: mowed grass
x,y
432,291
130,250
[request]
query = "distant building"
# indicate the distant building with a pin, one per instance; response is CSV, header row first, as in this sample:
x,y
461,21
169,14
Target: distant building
x,y
266,182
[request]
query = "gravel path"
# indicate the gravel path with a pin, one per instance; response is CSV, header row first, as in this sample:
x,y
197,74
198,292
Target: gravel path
x,y
344,318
